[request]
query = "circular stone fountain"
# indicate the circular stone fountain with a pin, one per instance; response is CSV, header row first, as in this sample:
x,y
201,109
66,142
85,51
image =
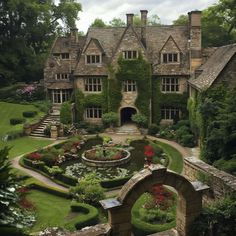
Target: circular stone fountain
x,y
101,157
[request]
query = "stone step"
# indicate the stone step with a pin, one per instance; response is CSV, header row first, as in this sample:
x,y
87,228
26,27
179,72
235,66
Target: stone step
x,y
38,135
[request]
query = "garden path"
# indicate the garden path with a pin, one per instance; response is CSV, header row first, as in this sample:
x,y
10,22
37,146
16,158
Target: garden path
x,y
117,138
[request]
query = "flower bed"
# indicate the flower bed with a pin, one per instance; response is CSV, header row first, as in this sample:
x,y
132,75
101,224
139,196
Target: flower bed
x,y
106,156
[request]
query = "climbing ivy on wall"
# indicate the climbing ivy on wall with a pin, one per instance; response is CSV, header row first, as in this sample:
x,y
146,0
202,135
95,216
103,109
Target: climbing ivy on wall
x,y
140,71
160,99
82,101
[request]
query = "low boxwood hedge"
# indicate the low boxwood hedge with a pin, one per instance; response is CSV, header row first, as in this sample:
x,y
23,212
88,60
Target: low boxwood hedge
x,y
112,183
16,121
90,216
4,231
29,114
67,179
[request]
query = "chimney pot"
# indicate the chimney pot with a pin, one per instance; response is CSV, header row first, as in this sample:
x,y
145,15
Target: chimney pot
x,y
130,17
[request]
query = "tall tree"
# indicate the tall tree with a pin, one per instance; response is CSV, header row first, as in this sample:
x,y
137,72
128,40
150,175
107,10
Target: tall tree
x,y
27,28
98,23
117,22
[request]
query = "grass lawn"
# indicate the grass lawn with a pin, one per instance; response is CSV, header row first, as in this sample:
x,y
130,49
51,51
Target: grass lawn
x,y
11,110
51,210
176,159
23,145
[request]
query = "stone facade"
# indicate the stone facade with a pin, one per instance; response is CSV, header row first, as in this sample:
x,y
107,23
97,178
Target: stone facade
x,y
171,51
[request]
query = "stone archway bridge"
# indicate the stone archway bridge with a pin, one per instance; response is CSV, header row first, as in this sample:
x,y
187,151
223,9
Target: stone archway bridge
x,y
189,203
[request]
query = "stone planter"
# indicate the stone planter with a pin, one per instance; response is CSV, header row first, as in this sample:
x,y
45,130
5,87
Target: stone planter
x,y
106,163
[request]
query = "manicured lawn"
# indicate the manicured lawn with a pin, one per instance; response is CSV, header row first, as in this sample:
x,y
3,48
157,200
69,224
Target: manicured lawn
x,y
176,159
11,110
24,145
51,210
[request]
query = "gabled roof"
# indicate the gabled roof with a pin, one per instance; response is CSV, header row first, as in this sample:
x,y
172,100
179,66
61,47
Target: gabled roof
x,y
96,41
170,38
213,67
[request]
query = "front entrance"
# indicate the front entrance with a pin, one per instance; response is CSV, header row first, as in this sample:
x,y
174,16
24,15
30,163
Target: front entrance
x,y
126,113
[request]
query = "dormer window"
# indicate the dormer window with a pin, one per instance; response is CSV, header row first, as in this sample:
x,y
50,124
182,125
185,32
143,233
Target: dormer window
x,y
63,56
129,55
170,57
93,59
62,76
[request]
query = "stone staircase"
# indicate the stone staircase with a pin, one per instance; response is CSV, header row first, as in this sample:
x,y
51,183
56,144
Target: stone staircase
x,y
38,132
129,129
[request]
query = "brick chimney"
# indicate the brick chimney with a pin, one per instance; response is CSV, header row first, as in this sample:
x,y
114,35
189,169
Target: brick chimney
x,y
143,26
195,39
74,35
130,17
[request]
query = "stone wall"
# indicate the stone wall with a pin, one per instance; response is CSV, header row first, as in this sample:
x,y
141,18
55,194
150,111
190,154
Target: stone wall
x,y
220,182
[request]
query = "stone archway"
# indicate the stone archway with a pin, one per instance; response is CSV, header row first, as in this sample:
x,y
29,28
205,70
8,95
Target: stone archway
x,y
189,202
126,113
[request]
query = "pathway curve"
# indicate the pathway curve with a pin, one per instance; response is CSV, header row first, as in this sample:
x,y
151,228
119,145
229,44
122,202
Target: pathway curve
x,y
117,138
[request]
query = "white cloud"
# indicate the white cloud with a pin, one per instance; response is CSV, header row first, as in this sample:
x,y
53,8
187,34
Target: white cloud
x,y
167,10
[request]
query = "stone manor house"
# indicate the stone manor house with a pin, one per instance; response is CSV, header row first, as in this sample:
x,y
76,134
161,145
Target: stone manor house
x,y
82,63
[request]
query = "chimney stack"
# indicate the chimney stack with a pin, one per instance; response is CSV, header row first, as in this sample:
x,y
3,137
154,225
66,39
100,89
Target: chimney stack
x,y
143,26
195,39
74,35
130,17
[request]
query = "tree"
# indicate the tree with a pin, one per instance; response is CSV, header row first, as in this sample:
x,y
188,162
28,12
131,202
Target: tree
x,y
65,113
181,20
117,22
27,29
10,213
98,23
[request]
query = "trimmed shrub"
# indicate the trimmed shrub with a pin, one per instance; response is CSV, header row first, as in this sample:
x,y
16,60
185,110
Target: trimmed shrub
x,y
187,140
112,183
67,179
139,119
16,121
90,217
65,113
153,129
29,114
94,129
4,230
110,118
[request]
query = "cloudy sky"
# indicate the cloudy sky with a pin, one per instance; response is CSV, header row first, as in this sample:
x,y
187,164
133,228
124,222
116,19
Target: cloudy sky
x,y
167,10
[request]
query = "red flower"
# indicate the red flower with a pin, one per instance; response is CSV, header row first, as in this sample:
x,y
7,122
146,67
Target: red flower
x,y
34,156
148,151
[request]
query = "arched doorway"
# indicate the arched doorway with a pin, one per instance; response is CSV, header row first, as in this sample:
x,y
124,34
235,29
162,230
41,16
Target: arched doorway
x,y
126,113
189,203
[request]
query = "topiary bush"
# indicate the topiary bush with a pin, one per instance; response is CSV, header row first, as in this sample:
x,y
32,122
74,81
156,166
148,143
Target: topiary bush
x,y
29,114
110,118
16,121
66,113
139,119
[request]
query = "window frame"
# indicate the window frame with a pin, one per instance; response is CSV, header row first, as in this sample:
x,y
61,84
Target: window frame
x,y
129,86
91,59
169,113
129,54
93,112
62,76
170,57
93,85
170,85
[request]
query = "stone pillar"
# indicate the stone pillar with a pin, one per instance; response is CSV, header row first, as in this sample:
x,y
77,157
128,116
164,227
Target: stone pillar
x,y
120,221
27,129
54,132
187,211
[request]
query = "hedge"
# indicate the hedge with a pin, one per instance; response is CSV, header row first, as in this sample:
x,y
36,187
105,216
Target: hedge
x,y
16,121
50,190
90,217
14,134
67,179
11,231
112,183
29,113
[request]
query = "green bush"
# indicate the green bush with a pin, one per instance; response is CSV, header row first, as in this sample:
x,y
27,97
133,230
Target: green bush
x,y
94,129
90,217
110,118
153,129
182,123
29,113
112,183
139,119
66,113
4,231
16,121
88,190
67,179
187,140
